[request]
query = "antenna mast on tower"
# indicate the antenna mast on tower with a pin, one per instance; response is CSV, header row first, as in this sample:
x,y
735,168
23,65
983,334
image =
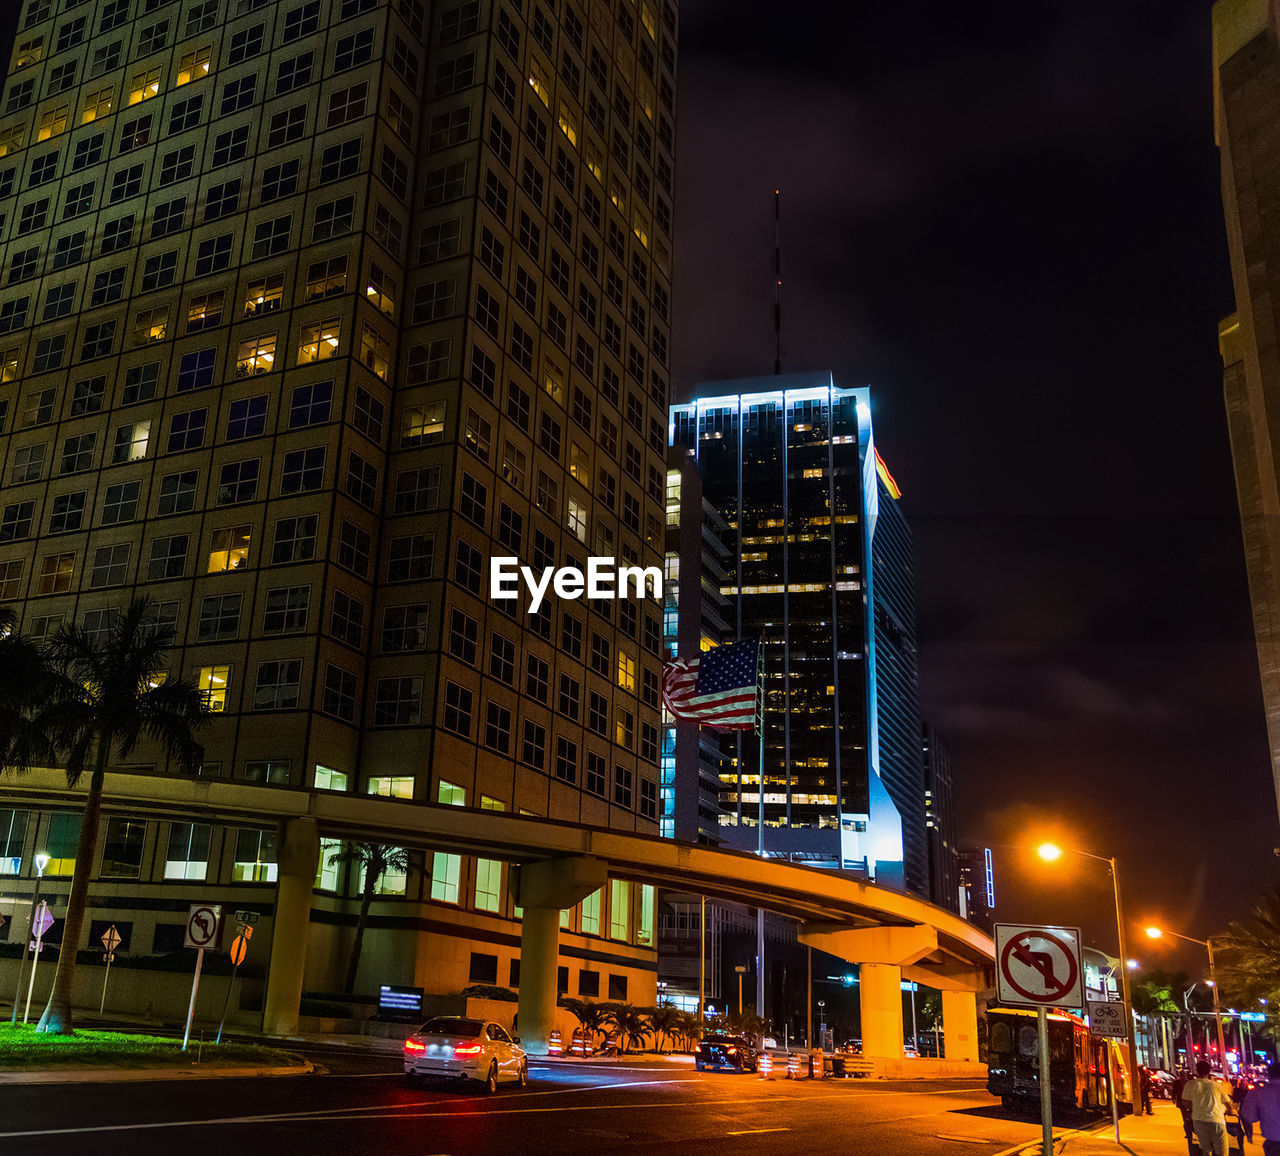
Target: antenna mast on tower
x,y
777,282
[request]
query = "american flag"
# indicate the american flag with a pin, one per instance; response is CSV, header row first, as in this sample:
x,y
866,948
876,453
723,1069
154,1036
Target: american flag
x,y
718,688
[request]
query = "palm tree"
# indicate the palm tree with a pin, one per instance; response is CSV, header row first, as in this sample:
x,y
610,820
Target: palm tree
x,y
629,1023
375,859
107,695
1248,955
590,1015
665,1019
25,680
689,1029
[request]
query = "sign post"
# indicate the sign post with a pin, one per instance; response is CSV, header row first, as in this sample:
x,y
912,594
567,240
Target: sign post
x,y
1108,1019
1040,967
239,946
203,923
40,923
110,941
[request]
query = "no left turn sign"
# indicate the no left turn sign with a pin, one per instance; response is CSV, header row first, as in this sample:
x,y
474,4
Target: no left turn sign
x,y
203,922
1038,966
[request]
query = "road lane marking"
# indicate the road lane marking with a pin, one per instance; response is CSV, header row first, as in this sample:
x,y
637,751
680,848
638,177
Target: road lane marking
x,y
755,1131
966,1139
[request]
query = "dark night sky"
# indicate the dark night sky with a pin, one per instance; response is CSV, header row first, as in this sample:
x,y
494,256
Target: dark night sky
x,y
1005,219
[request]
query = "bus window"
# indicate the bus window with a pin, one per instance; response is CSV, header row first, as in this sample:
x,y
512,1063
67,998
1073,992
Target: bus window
x,y
1027,1040
1000,1038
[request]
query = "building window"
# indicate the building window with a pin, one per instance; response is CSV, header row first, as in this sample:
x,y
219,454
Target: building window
x,y
212,682
187,856
286,610
255,856
488,885
278,685
168,558
319,342
256,355
122,848
391,786
457,707
229,548
619,909
446,874
590,922
404,628
339,696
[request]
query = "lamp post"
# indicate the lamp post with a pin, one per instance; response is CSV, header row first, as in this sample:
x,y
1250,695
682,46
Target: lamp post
x,y
41,861
1051,852
1207,944
741,970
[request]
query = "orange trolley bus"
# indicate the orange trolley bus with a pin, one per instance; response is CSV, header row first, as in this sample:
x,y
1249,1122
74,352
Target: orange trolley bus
x,y
1077,1063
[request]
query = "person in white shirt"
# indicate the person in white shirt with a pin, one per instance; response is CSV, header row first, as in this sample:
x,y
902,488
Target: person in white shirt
x,y
1210,1102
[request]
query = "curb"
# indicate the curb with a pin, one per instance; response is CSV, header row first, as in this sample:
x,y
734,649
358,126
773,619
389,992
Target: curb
x,y
143,1075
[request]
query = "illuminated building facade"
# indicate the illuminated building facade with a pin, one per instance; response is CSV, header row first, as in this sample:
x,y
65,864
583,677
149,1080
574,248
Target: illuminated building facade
x,y
309,309
1246,89
790,463
977,887
940,820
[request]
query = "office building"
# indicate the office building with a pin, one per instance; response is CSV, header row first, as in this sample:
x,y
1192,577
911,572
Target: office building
x,y
694,757
790,463
977,887
309,309
1246,89
940,820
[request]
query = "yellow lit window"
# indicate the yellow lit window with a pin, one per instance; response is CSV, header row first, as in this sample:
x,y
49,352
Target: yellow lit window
x,y
422,424
256,355
391,786
567,125
626,672
212,683
489,803
814,473
53,122
193,65
640,227
540,80
265,295
56,571
375,350
150,325
649,20
580,463
618,195
9,363
593,154
144,85
29,52
381,289
451,794
318,342
229,548
205,310
97,102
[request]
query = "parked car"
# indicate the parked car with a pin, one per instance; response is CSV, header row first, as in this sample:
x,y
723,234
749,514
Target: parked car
x,y
734,1053
454,1048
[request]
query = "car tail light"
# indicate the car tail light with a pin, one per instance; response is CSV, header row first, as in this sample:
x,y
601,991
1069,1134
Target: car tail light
x,y
731,1051
414,1046
697,1049
466,1050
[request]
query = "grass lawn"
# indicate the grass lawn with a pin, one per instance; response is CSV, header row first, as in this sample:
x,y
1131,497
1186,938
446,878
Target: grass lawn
x,y
22,1047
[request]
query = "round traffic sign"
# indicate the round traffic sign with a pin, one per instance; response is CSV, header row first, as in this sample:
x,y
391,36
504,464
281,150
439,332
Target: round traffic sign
x,y
202,924
1042,954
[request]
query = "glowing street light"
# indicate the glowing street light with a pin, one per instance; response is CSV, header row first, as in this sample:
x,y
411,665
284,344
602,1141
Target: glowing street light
x,y
1207,944
1051,853
41,862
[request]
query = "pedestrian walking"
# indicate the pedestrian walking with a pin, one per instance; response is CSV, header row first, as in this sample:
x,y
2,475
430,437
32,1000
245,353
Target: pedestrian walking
x,y
1262,1107
1144,1087
1210,1104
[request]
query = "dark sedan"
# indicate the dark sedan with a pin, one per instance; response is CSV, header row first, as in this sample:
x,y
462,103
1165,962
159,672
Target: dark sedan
x,y
728,1053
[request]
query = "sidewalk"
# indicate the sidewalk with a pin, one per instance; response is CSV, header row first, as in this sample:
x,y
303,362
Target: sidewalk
x,y
1158,1135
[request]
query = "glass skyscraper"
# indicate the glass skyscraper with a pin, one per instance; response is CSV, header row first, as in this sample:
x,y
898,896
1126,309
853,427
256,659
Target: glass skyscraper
x,y
790,463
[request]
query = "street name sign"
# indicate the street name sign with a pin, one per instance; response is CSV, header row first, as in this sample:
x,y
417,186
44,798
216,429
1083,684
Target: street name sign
x,y
1038,966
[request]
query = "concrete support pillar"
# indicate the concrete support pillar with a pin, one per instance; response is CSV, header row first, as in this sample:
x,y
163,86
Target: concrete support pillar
x,y
960,1025
297,857
539,959
544,890
880,990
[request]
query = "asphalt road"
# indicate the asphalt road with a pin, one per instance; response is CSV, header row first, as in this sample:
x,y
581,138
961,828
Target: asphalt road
x,y
363,1106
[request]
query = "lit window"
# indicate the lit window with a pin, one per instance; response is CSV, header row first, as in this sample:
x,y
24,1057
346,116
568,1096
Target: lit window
x,y
256,355
97,103
577,520
212,683
626,672
391,786
327,779
265,295
319,342
144,85
488,884
193,66
188,855
619,909
591,913
451,794
53,122
326,869
423,424
446,872
150,325
255,860
229,548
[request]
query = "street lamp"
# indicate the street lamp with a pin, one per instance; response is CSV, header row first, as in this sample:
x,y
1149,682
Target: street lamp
x,y
741,970
41,861
1207,944
1051,853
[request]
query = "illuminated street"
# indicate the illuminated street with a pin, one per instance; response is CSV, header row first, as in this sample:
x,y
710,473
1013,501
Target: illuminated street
x,y
567,1108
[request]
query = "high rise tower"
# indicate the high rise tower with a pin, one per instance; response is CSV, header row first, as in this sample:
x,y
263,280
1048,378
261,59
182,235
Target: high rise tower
x,y
790,464
308,310
1246,88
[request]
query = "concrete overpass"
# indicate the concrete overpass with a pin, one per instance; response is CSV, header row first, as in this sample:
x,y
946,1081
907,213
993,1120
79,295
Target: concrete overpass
x,y
892,936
